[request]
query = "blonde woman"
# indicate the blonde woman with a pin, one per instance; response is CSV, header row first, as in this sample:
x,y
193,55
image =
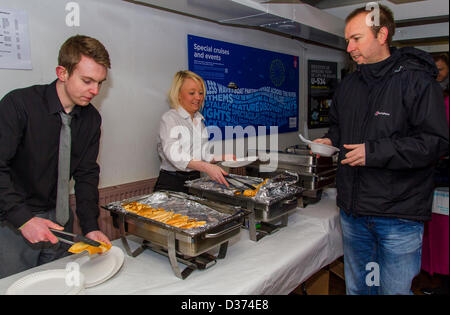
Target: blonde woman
x,y
183,144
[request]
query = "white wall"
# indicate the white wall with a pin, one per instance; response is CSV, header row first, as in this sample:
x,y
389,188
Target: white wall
x,y
147,46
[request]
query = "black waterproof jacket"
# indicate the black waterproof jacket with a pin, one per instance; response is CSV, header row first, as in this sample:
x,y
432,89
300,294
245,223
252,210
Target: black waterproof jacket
x,y
396,108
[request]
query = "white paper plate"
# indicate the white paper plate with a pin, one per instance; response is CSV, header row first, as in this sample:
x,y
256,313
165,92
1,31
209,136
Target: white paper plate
x,y
239,162
49,282
319,148
99,268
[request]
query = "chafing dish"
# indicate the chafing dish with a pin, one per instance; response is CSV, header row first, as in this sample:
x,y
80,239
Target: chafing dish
x,y
187,246
273,202
314,173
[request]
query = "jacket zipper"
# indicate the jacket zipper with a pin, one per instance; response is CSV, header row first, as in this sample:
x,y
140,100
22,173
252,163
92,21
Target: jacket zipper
x,y
361,137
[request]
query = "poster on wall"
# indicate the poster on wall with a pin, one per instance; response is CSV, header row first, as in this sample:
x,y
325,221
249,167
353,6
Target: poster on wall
x,y
322,78
245,86
14,41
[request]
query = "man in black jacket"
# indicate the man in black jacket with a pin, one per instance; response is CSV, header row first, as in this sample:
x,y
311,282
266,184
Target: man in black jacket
x,y
388,118
30,126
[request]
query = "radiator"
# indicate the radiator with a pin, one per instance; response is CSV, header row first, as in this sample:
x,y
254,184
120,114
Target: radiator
x,y
111,194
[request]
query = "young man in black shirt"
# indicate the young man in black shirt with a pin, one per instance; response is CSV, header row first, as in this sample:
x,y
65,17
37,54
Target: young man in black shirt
x,y
30,127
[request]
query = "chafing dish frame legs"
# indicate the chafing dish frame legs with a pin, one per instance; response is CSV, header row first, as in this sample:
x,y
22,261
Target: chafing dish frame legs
x,y
265,228
201,262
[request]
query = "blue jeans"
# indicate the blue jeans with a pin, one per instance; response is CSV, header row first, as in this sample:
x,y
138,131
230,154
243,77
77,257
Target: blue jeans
x,y
381,255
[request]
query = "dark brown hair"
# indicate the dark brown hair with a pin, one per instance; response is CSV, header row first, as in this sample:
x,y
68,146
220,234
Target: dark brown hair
x,y
442,57
386,20
73,48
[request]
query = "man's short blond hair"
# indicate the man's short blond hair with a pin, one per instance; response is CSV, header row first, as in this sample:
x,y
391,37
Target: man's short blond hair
x,y
177,83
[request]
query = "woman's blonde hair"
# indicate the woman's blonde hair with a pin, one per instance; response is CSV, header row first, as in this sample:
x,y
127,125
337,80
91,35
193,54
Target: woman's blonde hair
x,y
177,83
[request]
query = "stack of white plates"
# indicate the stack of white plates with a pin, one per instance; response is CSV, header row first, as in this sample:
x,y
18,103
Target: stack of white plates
x,y
49,282
99,268
83,272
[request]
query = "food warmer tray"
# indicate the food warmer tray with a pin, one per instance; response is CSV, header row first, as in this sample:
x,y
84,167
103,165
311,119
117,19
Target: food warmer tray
x,y
264,213
314,173
180,245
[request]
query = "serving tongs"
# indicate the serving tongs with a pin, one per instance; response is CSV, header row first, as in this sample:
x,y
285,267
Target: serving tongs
x,y
239,181
78,237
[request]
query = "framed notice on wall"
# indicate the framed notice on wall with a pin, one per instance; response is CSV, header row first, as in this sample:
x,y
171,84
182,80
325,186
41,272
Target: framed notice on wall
x,y
245,86
322,78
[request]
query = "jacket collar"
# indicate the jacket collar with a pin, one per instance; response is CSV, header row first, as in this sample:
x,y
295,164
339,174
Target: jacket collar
x,y
371,73
405,58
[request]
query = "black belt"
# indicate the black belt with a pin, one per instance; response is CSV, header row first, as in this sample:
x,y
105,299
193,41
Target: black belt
x,y
181,173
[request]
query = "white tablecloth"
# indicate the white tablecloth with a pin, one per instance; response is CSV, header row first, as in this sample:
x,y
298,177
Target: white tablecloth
x,y
276,264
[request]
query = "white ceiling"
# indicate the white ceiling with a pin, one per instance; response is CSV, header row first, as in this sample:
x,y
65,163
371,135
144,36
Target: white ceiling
x,y
411,10
320,21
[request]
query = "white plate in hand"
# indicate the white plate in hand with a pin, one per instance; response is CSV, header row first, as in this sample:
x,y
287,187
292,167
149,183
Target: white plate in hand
x,y
49,282
240,162
99,268
319,148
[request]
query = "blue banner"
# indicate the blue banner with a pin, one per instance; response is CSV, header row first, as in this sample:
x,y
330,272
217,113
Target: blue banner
x,y
246,86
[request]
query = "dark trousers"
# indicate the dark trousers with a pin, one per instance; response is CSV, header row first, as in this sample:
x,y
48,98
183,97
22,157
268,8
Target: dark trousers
x,y
174,181
17,254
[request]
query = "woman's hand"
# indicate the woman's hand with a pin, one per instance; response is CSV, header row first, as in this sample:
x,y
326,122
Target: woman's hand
x,y
215,172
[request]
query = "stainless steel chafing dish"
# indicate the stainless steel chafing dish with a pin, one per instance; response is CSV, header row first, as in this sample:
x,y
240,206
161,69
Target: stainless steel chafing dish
x,y
314,173
187,246
273,202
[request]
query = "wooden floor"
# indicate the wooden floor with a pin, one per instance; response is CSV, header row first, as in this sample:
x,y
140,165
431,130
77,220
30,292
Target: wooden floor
x,y
337,285
423,284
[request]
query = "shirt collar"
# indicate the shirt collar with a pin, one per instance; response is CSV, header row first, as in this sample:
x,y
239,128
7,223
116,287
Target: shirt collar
x,y
184,114
54,103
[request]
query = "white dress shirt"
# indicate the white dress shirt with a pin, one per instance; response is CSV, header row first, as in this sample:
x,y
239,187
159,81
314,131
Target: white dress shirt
x,y
182,139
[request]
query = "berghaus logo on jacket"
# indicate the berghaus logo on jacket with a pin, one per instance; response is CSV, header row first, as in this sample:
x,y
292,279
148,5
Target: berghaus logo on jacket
x,y
378,113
